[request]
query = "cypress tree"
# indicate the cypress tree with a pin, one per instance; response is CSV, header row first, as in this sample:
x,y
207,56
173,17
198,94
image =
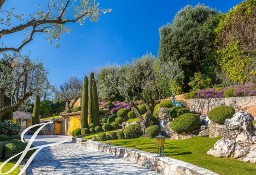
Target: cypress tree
x,y
84,108
96,116
36,111
90,104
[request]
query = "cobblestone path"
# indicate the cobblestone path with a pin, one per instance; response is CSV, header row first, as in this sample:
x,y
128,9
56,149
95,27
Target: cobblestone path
x,y
71,159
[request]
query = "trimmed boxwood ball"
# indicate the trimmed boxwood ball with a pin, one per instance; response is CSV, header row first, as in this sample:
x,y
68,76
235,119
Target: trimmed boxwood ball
x,y
104,120
185,123
106,127
77,132
98,129
112,136
152,131
119,120
131,114
165,104
115,125
142,109
132,131
14,147
101,137
111,119
122,112
120,135
221,113
177,111
92,130
85,131
4,138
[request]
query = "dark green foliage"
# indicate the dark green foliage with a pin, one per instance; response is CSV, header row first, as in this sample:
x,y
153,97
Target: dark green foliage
x,y
104,120
84,107
177,111
132,131
142,109
92,130
229,92
165,104
111,119
154,121
115,125
122,113
220,114
76,109
152,131
4,138
15,137
1,150
119,120
155,113
185,123
85,131
36,111
106,127
7,127
112,136
199,81
76,132
91,125
90,102
50,108
120,135
98,129
101,137
131,114
106,104
96,113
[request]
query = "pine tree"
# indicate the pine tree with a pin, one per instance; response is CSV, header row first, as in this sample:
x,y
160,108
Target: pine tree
x,y
96,116
90,104
36,111
84,108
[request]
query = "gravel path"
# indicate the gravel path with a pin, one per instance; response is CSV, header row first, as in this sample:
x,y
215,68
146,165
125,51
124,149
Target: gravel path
x,y
70,158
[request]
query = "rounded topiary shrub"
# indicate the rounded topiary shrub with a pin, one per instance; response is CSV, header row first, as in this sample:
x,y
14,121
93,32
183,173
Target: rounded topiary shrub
x,y
185,123
115,125
92,130
152,131
101,137
119,120
220,114
106,127
165,104
142,109
120,135
111,119
112,136
77,132
132,131
85,131
14,147
122,112
91,125
131,114
98,129
4,138
104,120
177,111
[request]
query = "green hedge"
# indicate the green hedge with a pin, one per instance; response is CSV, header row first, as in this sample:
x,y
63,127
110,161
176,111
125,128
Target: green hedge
x,y
92,130
85,131
101,137
106,127
152,131
132,131
177,111
122,113
120,135
185,123
98,129
131,114
4,138
115,125
76,132
111,119
220,114
112,136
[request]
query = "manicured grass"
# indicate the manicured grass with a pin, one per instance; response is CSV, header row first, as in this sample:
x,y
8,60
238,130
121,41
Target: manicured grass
x,y
192,151
8,166
90,136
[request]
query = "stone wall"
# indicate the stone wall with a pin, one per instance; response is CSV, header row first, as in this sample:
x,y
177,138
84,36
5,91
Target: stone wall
x,y
203,106
163,165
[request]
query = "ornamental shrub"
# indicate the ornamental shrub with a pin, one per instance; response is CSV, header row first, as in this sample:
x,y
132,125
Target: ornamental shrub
x,y
177,111
106,127
104,120
4,138
131,114
152,131
1,150
165,104
115,125
122,113
15,137
221,113
132,131
98,129
85,131
91,125
76,132
229,92
92,130
112,136
120,135
111,119
101,137
14,147
142,109
155,113
185,123
119,120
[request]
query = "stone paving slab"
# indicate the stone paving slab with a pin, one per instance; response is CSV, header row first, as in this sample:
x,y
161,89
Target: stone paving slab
x,y
70,158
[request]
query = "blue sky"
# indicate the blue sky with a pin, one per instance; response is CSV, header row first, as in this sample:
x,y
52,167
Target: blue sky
x,y
129,31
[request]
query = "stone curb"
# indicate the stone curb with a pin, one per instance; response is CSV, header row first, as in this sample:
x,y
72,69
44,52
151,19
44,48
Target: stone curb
x,y
163,165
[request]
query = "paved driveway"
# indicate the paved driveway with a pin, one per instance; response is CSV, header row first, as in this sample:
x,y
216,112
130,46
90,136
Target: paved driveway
x,y
70,158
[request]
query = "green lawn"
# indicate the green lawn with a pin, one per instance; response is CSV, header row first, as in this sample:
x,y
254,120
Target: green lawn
x,y
192,151
8,166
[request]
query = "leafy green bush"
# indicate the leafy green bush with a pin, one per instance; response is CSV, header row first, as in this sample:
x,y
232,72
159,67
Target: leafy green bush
x,y
152,131
76,109
92,130
85,131
185,123
154,121
91,125
177,111
111,119
131,114
101,137
221,113
112,136
76,132
155,113
4,138
199,81
120,135
1,150
104,120
115,125
106,127
122,113
119,120
165,104
229,92
7,127
142,109
13,137
132,131
106,104
98,129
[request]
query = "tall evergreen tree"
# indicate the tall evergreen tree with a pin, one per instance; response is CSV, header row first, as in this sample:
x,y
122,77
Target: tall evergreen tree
x,y
36,111
90,104
96,116
84,109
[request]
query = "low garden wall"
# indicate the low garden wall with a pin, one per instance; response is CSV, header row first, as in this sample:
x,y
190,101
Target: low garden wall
x,y
163,165
203,106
